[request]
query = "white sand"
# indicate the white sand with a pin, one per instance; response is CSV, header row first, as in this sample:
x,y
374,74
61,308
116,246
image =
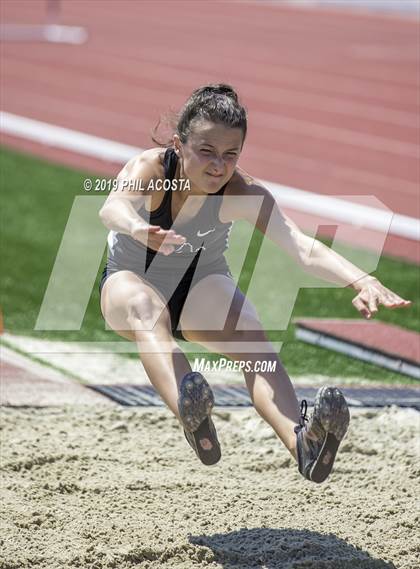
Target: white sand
x,y
120,488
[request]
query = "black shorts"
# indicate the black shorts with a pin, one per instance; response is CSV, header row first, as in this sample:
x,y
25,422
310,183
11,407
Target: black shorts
x,y
163,282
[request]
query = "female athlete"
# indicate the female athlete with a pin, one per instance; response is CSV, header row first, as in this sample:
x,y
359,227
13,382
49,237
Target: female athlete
x,y
166,277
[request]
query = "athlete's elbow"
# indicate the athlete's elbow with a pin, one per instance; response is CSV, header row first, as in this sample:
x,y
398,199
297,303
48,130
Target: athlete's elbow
x,y
303,249
302,260
104,215
311,252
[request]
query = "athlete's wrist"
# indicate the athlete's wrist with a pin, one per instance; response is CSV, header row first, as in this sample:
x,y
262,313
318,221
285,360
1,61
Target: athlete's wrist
x,y
136,231
360,283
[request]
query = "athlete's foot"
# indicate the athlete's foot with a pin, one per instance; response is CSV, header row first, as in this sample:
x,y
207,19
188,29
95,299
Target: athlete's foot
x,y
319,437
195,404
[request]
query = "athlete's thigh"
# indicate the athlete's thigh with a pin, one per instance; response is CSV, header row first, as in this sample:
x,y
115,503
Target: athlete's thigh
x,y
216,303
125,294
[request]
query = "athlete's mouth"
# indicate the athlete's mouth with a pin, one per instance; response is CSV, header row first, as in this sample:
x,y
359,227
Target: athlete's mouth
x,y
214,175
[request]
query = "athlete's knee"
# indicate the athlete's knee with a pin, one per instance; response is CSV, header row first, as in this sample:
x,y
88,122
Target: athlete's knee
x,y
144,312
244,325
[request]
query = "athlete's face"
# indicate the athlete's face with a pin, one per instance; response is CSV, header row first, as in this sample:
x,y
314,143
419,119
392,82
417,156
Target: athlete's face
x,y
210,155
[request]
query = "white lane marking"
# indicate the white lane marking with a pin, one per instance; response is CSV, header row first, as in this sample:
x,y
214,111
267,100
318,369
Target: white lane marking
x,y
346,211
32,367
52,33
400,9
300,200
59,137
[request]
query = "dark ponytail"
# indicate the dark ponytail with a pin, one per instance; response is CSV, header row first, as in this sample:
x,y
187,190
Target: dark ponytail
x,y
217,103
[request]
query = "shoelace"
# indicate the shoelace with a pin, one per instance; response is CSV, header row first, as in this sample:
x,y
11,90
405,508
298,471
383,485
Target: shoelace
x,y
303,409
303,416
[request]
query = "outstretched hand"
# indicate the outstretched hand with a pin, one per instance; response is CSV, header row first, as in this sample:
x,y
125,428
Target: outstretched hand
x,y
162,240
372,294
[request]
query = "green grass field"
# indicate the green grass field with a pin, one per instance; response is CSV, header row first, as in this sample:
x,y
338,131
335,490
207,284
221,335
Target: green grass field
x,y
36,200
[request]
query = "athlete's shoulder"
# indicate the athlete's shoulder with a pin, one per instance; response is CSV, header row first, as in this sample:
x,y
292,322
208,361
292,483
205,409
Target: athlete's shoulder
x,y
242,184
146,166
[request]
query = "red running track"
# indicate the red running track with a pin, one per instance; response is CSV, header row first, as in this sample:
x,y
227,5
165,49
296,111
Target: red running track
x,y
332,95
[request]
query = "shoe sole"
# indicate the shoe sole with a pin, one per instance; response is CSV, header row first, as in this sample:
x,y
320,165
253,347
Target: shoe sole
x,y
206,430
333,414
196,401
195,404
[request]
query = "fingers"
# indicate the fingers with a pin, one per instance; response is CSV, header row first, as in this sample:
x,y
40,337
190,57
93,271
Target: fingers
x,y
167,249
372,305
170,236
164,240
401,303
391,300
156,229
360,305
367,302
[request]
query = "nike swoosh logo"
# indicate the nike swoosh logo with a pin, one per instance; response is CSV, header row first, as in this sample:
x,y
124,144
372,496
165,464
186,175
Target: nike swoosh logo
x,y
199,234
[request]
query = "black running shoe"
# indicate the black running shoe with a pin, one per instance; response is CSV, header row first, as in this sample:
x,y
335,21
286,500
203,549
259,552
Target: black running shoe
x,y
319,437
195,403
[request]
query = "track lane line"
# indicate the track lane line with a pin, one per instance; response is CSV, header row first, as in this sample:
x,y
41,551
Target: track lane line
x,y
301,200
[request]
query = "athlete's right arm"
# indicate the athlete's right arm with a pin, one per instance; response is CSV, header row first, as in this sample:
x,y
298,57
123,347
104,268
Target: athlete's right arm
x,y
120,210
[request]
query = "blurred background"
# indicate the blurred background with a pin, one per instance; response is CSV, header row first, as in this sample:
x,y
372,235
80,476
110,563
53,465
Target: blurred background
x,y
332,93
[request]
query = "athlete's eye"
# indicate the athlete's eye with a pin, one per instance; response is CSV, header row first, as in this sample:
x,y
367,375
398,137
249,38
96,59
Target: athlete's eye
x,y
205,151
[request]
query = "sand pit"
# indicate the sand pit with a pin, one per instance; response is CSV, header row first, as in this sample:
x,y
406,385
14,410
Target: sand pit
x,y
116,487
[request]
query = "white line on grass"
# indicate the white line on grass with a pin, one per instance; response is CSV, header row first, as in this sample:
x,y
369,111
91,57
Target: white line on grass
x,y
77,361
300,200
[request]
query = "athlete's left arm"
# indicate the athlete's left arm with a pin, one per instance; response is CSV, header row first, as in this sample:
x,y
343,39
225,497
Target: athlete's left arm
x,y
315,257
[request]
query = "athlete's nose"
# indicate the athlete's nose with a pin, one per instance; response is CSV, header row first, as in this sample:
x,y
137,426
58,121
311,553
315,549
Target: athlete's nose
x,y
217,166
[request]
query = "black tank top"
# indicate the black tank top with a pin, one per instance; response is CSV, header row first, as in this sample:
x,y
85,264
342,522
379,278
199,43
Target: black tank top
x,y
206,236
